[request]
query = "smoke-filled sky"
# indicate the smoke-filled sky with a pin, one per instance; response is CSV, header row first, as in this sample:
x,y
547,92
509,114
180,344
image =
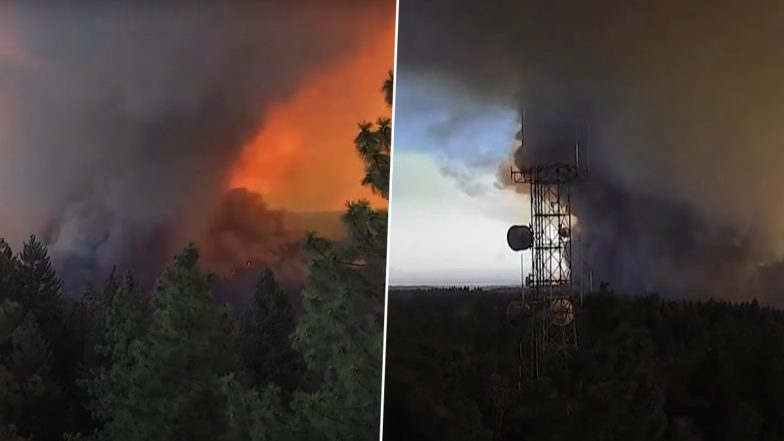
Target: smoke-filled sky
x,y
125,125
679,102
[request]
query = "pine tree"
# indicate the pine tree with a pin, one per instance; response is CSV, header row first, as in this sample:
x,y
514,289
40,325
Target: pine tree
x,y
267,353
122,321
7,265
341,331
31,356
168,387
86,322
37,415
255,416
10,393
122,313
86,337
37,288
83,327
374,146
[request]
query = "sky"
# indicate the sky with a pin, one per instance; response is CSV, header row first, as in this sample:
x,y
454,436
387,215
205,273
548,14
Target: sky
x,y
128,130
448,219
679,103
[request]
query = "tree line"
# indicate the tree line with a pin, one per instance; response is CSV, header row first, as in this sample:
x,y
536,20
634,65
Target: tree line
x,y
647,368
121,363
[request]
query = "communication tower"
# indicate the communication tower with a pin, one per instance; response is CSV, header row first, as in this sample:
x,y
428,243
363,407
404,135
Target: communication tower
x,y
548,298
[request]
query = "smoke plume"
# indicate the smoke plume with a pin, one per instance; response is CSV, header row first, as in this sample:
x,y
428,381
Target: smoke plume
x,y
679,104
247,231
121,122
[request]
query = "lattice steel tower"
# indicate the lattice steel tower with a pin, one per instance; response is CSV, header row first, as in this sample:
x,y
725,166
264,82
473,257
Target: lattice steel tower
x,y
548,297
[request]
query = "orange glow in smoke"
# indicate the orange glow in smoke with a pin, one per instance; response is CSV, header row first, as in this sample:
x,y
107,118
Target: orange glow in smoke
x,y
303,158
13,54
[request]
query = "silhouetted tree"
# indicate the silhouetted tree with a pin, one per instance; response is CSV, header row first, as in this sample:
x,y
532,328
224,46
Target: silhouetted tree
x,y
255,416
7,266
101,327
37,288
388,88
373,145
37,414
646,369
340,333
266,350
11,397
168,386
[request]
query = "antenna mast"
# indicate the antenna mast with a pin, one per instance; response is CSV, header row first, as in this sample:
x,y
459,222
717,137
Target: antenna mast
x,y
576,149
551,300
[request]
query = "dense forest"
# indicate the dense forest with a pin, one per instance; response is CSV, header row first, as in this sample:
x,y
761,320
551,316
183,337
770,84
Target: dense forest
x,y
646,369
121,363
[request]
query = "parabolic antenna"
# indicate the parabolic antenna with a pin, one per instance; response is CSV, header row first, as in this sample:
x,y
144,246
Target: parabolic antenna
x,y
561,312
519,237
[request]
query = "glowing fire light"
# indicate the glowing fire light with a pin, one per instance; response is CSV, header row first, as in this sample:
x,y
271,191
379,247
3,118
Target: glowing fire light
x,y
303,157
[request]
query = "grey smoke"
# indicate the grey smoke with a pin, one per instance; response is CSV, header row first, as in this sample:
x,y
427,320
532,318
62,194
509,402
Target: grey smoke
x,y
684,102
128,115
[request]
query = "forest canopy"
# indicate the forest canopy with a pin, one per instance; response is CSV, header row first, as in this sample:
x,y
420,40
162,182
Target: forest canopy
x,y
646,369
119,362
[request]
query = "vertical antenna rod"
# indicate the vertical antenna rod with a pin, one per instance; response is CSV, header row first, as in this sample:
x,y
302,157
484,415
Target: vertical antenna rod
x,y
522,142
522,279
582,267
576,149
588,151
522,127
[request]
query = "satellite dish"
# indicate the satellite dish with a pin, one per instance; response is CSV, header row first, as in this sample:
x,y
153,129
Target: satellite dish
x,y
564,232
561,312
519,237
517,311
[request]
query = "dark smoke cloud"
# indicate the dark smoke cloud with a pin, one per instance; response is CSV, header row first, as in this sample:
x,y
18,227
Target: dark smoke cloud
x,y
683,102
246,235
246,231
120,120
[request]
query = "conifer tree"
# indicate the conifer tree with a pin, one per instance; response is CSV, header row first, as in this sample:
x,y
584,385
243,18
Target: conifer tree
x,y
10,393
341,331
87,318
373,143
83,327
267,353
168,387
85,339
37,414
7,265
37,288
255,416
122,321
31,355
